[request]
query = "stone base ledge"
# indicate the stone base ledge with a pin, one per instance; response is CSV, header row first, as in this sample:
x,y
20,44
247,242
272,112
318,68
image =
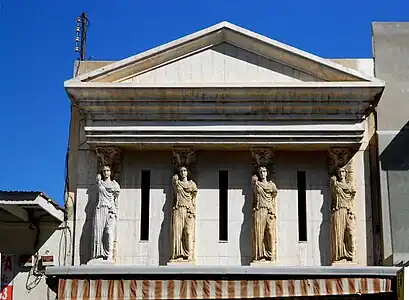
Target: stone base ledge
x,y
344,264
263,264
181,263
100,261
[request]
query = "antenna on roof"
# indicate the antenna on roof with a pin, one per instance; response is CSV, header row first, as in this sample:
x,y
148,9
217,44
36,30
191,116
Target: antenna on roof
x,y
81,35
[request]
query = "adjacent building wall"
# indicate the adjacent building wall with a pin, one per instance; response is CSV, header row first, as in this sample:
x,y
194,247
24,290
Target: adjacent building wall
x,y
19,239
391,52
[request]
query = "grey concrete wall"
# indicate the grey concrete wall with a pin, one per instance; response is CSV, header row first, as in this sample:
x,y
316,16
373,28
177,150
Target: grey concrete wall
x,y
391,56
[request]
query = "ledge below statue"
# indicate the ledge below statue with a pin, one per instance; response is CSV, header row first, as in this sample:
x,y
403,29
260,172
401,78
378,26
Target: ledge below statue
x,y
181,263
100,261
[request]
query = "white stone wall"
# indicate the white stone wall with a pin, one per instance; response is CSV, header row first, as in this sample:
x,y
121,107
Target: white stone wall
x,y
209,250
316,250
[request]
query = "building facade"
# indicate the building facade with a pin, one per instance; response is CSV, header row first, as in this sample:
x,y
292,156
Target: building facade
x,y
233,101
228,165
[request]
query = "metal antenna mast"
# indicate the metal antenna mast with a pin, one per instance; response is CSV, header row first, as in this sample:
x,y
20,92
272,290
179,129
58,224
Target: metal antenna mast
x,y
81,35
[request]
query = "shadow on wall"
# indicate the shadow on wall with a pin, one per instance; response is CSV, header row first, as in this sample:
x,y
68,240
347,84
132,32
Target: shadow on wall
x,y
394,160
373,245
324,236
164,234
402,264
251,58
395,157
246,228
86,232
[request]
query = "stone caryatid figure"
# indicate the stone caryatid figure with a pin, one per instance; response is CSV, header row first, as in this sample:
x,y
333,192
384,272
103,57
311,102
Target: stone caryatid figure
x,y
264,217
105,218
183,217
343,217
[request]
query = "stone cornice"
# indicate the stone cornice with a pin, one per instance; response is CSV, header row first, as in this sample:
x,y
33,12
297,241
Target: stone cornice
x,y
226,135
218,103
304,90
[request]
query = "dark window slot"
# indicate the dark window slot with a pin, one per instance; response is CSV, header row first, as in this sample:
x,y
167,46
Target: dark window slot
x,y
302,206
223,205
145,195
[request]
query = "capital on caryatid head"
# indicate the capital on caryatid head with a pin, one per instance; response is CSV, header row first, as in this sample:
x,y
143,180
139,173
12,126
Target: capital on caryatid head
x,y
184,157
263,157
109,156
341,158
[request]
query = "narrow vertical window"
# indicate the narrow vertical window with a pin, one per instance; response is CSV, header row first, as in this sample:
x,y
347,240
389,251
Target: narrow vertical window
x,y
223,205
145,194
302,206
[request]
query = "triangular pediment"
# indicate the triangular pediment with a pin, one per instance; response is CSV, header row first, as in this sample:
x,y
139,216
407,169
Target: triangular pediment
x,y
223,63
223,54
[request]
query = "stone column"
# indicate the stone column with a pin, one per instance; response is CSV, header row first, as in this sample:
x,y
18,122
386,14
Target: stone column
x,y
183,218
343,212
264,230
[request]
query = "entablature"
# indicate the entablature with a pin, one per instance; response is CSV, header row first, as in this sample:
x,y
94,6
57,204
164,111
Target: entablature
x,y
117,101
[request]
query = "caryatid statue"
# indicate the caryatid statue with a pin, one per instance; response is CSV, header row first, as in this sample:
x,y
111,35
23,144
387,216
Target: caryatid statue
x,y
343,217
105,218
264,217
183,216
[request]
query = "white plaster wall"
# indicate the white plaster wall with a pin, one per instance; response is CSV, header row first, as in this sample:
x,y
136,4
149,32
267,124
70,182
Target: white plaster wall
x,y
364,232
316,250
209,250
84,207
131,250
223,63
237,250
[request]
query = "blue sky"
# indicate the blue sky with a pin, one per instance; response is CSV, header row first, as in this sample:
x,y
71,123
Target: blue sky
x,y
37,55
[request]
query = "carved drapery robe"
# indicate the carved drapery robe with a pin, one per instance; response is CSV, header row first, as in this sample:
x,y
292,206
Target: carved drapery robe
x,y
264,221
343,221
183,219
105,219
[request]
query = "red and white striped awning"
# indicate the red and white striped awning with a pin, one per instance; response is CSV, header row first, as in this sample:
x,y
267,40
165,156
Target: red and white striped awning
x,y
90,289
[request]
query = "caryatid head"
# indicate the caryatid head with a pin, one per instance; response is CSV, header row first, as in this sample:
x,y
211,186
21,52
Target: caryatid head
x,y
262,171
183,172
342,173
106,172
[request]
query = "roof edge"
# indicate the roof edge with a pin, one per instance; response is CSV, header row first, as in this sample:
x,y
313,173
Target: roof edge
x,y
318,84
153,51
209,30
302,53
